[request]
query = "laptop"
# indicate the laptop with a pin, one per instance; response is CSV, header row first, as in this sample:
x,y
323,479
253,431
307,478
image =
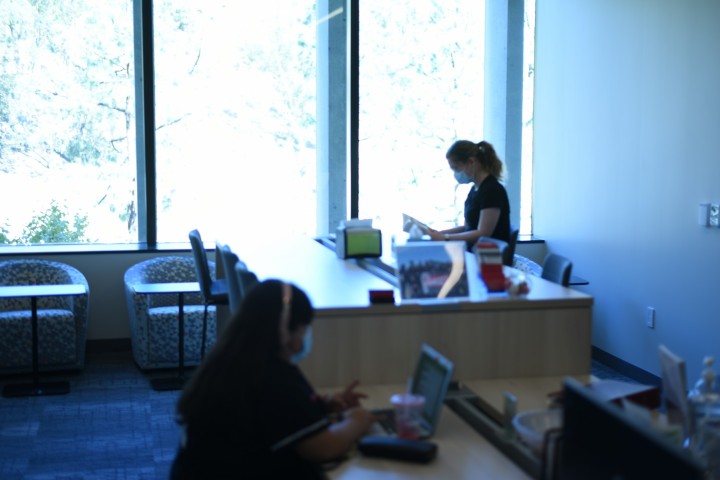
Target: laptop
x,y
431,379
432,272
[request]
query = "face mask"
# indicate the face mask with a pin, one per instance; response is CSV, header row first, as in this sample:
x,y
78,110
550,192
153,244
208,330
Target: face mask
x,y
307,346
462,177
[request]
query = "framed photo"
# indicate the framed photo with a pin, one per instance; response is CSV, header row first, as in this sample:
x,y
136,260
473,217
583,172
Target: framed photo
x,y
432,272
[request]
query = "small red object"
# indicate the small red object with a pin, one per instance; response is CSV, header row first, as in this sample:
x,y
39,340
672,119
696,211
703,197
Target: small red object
x,y
382,296
491,268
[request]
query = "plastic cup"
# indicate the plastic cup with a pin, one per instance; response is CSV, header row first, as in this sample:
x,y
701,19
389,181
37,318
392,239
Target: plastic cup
x,y
408,412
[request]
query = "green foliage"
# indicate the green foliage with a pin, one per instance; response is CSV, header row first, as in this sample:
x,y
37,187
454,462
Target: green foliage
x,y
53,226
4,236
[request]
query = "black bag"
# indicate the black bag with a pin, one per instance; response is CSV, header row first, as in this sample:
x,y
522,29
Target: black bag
x,y
418,451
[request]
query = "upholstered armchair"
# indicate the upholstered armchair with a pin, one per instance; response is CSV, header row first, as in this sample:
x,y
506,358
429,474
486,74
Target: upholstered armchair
x,y
526,265
62,320
154,317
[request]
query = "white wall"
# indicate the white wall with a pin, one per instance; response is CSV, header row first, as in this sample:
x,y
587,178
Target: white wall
x,y
627,121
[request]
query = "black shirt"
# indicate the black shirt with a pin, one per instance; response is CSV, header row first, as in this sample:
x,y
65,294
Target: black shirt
x,y
489,194
257,444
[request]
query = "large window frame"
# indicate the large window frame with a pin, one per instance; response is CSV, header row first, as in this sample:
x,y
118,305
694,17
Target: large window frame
x,y
338,93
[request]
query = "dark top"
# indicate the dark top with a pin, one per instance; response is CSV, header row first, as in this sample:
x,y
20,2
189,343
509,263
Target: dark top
x,y
257,444
489,194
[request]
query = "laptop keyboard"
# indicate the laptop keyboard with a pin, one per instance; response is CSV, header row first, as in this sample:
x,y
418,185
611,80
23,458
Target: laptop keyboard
x,y
387,422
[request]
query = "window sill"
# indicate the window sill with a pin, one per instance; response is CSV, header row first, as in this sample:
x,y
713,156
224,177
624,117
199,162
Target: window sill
x,y
89,248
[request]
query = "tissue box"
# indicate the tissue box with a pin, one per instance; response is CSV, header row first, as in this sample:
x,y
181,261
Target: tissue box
x,y
358,242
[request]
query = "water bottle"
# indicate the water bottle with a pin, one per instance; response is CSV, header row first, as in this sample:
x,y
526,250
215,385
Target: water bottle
x,y
704,411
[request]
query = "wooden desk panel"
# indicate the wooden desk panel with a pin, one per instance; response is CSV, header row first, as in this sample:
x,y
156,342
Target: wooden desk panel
x,y
382,346
548,333
462,452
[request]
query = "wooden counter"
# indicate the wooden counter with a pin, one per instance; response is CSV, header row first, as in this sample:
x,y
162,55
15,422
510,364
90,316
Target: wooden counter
x,y
548,333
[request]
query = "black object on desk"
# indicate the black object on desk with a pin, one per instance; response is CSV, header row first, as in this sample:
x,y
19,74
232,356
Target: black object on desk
x,y
38,388
395,448
180,288
575,280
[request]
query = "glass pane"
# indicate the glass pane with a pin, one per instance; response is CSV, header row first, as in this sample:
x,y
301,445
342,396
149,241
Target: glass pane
x,y
67,123
235,118
421,88
528,118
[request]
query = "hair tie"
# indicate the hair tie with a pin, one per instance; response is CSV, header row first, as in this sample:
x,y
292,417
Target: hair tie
x,y
285,313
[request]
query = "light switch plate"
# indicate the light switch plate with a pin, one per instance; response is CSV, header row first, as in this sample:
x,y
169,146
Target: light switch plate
x,y
714,215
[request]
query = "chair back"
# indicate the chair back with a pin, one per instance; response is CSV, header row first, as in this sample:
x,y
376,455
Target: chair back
x,y
246,278
557,268
509,255
526,265
29,271
229,259
202,266
166,269
239,278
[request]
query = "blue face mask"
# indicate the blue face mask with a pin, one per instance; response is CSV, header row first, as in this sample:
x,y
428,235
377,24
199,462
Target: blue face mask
x,y
307,346
462,177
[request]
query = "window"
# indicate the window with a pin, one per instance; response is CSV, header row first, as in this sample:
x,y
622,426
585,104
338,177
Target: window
x,y
235,117
251,116
67,124
421,88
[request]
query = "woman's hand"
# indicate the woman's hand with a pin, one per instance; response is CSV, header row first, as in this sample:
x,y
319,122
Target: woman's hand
x,y
361,418
346,399
338,438
434,234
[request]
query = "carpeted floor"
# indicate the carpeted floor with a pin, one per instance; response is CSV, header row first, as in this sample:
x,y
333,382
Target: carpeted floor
x,y
111,425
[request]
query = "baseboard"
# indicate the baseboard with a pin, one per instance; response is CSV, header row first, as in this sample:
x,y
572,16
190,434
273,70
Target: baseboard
x,y
625,368
108,345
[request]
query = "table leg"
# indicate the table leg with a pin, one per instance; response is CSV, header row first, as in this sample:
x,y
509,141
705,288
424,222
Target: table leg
x,y
175,383
36,388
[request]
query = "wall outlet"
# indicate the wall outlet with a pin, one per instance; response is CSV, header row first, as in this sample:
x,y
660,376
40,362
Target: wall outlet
x,y
714,215
650,317
704,214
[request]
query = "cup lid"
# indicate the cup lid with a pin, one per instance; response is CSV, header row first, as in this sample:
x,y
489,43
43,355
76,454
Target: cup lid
x,y
407,399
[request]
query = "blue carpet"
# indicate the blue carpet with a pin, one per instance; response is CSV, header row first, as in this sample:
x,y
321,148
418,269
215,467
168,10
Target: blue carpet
x,y
112,425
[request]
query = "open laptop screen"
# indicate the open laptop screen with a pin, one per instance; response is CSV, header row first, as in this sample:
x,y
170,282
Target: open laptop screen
x,y
431,379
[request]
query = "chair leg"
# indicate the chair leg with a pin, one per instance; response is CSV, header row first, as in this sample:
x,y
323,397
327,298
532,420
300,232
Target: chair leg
x,y
204,333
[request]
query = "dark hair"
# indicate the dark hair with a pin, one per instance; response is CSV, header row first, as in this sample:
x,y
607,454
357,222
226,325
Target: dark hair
x,y
235,368
462,150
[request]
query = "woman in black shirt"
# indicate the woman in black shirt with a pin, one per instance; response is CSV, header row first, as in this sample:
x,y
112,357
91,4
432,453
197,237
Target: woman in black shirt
x,y
248,411
487,208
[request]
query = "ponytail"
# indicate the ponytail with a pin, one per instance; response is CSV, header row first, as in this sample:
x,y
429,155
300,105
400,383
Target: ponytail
x,y
462,150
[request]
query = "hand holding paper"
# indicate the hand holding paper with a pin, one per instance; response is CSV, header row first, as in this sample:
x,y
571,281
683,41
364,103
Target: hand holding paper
x,y
409,221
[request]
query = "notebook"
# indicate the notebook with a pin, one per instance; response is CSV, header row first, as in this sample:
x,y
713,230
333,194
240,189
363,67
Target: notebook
x,y
431,378
431,272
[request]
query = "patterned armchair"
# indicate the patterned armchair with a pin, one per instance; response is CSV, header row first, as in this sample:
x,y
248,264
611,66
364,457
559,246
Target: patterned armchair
x,y
526,265
154,318
62,321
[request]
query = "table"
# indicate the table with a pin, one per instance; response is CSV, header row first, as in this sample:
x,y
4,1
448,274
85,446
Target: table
x,y
548,333
462,452
179,288
37,388
531,393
